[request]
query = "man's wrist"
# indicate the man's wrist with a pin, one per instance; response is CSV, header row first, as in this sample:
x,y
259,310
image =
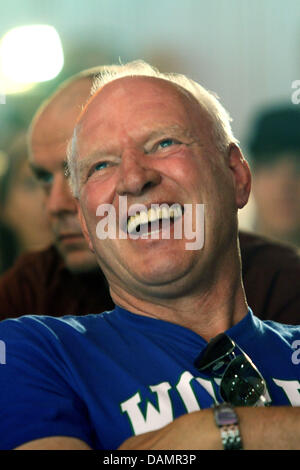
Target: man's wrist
x,y
227,421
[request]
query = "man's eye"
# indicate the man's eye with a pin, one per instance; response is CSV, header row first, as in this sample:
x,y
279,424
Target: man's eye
x,y
98,167
166,143
44,177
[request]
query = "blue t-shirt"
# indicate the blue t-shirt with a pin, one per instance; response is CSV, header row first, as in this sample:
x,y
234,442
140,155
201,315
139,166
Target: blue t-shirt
x,y
105,377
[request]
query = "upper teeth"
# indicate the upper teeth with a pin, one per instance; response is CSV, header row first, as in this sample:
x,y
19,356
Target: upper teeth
x,y
153,214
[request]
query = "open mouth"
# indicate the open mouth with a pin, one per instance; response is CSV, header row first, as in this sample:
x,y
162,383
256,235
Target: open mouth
x,y
153,220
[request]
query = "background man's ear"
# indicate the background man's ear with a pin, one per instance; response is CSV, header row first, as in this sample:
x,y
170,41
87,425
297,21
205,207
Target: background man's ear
x,y
84,226
241,175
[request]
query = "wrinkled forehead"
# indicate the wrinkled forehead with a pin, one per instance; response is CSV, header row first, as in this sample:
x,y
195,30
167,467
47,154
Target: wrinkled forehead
x,y
129,94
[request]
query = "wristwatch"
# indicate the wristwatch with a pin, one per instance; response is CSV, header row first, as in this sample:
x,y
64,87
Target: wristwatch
x,y
227,420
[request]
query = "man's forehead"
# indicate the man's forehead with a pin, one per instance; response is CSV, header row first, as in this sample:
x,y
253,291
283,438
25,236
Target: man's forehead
x,y
138,83
131,91
136,87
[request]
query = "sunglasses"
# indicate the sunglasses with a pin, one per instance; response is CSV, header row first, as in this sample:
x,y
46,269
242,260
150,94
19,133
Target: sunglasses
x,y
241,382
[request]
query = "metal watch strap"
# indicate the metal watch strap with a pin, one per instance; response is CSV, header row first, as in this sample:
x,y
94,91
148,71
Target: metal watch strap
x,y
227,420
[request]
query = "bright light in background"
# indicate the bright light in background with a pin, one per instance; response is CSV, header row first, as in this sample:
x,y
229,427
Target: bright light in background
x,y
29,54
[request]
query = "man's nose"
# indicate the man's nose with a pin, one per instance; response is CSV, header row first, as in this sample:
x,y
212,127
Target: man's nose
x,y
60,199
136,176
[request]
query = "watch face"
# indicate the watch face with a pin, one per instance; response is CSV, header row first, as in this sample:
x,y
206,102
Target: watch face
x,y
225,415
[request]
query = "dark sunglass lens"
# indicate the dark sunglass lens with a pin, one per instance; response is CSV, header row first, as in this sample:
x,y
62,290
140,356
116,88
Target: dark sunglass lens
x,y
242,384
217,348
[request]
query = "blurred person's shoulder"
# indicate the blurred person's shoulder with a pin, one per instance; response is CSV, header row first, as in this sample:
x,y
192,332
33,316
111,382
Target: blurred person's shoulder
x,y
40,283
278,253
271,277
9,247
23,286
38,264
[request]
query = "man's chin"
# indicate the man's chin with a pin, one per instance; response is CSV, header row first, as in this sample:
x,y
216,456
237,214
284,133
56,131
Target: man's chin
x,y
78,259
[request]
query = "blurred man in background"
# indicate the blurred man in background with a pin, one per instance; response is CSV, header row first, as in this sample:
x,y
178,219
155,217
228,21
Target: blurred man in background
x,y
48,137
63,278
275,154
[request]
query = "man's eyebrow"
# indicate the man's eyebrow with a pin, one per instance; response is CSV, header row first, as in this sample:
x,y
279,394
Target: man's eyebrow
x,y
33,166
87,161
38,170
180,132
84,164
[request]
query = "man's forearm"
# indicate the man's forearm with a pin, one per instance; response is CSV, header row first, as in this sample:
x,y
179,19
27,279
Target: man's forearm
x,y
273,428
261,428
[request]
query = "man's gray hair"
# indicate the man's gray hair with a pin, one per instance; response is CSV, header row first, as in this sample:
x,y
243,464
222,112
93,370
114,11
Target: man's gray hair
x,y
221,128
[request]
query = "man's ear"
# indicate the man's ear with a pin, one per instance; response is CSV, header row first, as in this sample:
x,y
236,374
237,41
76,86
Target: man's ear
x,y
241,175
84,226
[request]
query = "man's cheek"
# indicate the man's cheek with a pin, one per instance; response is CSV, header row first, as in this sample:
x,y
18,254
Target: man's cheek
x,y
90,201
181,165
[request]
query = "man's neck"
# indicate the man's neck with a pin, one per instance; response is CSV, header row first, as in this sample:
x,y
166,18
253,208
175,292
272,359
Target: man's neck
x,y
207,311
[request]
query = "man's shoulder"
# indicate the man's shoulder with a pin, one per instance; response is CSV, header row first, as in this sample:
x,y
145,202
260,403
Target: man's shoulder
x,y
272,334
285,331
59,338
50,325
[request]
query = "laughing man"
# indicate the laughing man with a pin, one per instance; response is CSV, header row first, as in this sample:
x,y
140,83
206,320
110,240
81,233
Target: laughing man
x,y
128,378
